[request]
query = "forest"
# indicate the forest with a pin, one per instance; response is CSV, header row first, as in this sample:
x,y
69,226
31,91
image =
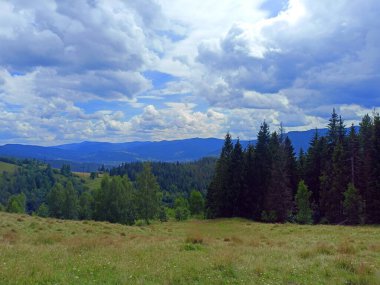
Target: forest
x,y
336,181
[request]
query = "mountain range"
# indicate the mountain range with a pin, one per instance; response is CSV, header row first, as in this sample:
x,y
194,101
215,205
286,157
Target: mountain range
x,y
89,155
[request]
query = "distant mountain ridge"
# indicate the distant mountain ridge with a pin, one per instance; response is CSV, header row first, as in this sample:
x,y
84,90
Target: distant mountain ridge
x,y
97,153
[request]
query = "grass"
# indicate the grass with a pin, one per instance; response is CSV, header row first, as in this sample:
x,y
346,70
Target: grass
x,y
235,251
8,167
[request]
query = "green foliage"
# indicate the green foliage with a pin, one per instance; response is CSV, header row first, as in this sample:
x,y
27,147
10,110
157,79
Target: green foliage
x,y
353,205
70,202
86,202
43,211
93,175
16,203
269,216
147,198
2,208
196,203
162,215
181,208
55,200
304,213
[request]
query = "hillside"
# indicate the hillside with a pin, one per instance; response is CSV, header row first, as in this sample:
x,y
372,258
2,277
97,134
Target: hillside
x,y
48,251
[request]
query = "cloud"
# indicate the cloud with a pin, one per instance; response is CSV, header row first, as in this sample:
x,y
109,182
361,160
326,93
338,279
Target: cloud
x,y
158,69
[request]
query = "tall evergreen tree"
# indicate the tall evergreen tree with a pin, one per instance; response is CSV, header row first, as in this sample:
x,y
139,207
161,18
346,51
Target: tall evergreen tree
x,y
373,194
218,191
262,170
236,185
249,193
278,199
352,205
365,161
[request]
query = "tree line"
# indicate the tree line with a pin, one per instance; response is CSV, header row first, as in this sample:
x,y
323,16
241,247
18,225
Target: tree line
x,y
337,180
36,188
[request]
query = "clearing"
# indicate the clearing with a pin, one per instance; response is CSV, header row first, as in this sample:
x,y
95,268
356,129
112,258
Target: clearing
x,y
35,250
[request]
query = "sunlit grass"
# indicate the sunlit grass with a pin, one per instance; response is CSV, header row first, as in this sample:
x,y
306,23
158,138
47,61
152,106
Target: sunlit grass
x,y
48,251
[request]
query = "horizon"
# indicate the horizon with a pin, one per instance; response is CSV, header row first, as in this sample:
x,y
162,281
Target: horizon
x,y
158,70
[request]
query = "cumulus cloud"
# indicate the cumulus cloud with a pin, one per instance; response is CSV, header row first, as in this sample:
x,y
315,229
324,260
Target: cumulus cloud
x,y
80,70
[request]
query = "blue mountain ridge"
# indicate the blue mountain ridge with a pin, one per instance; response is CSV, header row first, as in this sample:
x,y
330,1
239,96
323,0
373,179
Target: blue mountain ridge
x,y
112,154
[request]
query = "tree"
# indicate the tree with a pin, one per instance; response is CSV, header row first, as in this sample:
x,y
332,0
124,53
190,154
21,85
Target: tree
x,y
17,203
147,194
70,202
278,199
55,200
86,201
235,193
304,213
352,205
262,171
66,170
196,203
373,191
217,199
43,211
181,209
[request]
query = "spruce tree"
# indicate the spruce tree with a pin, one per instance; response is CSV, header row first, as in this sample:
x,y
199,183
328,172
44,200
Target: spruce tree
x,y
365,161
278,199
263,163
373,194
249,194
237,183
352,205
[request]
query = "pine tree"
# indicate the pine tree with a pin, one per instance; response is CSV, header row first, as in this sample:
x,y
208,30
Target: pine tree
x,y
217,203
249,194
262,170
278,199
373,194
365,161
352,205
291,165
304,213
237,183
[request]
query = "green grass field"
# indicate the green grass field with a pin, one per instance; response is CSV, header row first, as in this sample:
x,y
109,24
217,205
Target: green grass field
x,y
47,251
8,167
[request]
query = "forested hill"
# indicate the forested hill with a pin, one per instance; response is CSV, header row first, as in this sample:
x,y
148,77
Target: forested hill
x,y
174,178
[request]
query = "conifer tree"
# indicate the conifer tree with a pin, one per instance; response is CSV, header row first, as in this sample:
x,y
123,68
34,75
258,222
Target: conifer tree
x,y
249,195
262,169
55,200
365,161
352,205
218,191
373,195
278,199
237,183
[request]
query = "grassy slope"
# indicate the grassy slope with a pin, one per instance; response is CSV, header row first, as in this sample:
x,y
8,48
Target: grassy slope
x,y
48,251
8,167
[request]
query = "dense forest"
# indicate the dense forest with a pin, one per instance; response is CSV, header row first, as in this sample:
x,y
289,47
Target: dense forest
x,y
35,188
175,179
336,181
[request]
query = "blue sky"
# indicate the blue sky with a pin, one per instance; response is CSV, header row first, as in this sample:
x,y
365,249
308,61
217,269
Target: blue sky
x,y
113,70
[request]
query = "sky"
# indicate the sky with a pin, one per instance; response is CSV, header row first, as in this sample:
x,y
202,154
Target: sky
x,y
118,71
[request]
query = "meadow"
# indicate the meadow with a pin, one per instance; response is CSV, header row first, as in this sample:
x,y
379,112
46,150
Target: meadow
x,y
36,250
